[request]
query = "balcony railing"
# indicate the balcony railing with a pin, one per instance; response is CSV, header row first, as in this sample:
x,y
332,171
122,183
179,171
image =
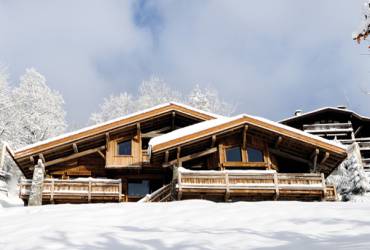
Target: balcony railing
x,y
78,190
253,185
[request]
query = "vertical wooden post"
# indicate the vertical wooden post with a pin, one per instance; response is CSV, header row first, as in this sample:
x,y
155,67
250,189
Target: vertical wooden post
x,y
276,182
179,194
52,191
89,192
120,192
227,194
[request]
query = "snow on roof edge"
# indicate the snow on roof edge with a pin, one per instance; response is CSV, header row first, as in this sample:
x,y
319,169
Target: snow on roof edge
x,y
112,121
212,123
321,109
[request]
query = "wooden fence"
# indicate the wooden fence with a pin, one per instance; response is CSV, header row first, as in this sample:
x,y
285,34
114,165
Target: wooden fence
x,y
80,190
253,185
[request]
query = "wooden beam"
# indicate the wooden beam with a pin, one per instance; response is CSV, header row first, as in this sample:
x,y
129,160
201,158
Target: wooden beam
x,y
73,156
75,148
107,139
101,154
213,143
278,141
173,120
155,133
178,156
166,156
358,130
327,154
290,156
194,156
245,136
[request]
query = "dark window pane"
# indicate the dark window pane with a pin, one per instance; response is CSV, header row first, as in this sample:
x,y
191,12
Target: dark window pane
x,y
233,154
255,155
138,188
124,148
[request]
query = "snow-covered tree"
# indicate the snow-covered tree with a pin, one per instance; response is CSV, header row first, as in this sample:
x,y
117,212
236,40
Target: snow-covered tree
x,y
350,178
38,110
5,107
113,107
364,29
208,100
154,92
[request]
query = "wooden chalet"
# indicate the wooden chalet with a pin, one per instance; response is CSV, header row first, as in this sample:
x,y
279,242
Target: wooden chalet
x,y
247,158
336,123
173,151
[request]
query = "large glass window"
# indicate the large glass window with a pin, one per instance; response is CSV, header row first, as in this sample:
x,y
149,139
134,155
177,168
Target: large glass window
x,y
138,188
233,154
124,148
255,155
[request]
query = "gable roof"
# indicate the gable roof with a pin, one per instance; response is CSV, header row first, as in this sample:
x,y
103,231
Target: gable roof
x,y
207,128
112,124
344,111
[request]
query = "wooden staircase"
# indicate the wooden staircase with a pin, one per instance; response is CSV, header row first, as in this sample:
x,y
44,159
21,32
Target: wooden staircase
x,y
161,195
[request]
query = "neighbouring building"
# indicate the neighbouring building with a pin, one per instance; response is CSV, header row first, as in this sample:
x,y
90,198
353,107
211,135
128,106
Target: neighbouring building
x,y
338,124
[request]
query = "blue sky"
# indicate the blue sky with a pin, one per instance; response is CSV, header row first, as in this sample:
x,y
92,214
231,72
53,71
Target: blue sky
x,y
268,57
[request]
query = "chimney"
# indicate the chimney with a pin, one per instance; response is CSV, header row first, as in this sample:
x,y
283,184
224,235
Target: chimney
x,y
298,112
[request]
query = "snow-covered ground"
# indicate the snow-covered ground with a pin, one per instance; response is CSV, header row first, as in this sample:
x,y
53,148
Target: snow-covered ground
x,y
188,225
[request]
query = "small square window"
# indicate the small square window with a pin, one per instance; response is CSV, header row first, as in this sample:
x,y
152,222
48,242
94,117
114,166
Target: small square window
x,y
234,154
255,155
124,148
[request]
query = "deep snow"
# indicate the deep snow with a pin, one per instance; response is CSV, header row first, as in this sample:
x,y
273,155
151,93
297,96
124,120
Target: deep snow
x,y
188,225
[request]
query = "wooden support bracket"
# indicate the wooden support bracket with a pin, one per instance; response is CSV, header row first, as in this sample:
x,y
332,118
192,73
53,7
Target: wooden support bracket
x,y
326,156
278,141
75,148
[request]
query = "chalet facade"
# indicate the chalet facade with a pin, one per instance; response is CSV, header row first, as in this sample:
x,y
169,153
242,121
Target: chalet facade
x,y
339,124
173,151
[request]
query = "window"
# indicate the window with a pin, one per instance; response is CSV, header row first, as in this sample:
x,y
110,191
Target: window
x,y
233,154
255,155
139,188
124,148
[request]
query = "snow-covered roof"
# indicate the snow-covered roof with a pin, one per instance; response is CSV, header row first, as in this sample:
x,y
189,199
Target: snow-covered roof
x,y
66,135
180,133
344,110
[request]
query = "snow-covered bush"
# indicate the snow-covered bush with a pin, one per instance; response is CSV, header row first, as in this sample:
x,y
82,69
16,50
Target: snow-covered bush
x,y
350,178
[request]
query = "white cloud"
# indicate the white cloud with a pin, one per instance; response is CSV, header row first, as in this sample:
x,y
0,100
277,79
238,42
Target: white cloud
x,y
270,57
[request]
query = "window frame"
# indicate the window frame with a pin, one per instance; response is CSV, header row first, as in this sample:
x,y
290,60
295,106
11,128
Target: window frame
x,y
117,154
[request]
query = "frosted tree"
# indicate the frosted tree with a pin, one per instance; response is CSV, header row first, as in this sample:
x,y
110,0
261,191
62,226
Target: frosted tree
x,y
208,100
6,113
39,111
113,107
364,29
154,92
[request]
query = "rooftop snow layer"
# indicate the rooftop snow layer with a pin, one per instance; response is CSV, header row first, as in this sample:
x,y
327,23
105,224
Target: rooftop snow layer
x,y
213,123
114,120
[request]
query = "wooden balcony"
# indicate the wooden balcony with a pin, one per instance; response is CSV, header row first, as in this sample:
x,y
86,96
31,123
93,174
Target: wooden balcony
x,y
82,190
252,185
